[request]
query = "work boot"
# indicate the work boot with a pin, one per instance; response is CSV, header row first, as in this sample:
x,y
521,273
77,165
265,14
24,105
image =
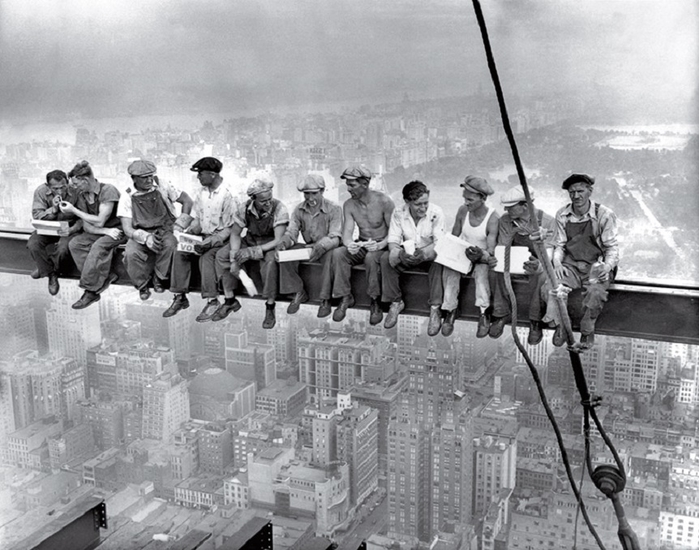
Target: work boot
x,y
179,302
448,325
497,326
208,312
158,285
54,287
587,340
393,312
375,313
535,333
341,310
86,299
270,319
559,336
229,305
483,325
435,322
144,293
35,274
299,298
324,308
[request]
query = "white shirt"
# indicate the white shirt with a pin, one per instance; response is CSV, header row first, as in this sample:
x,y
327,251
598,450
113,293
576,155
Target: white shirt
x,y
215,210
427,230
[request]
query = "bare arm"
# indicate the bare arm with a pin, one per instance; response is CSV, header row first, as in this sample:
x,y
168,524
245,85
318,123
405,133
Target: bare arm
x,y
186,201
347,225
98,221
458,222
491,233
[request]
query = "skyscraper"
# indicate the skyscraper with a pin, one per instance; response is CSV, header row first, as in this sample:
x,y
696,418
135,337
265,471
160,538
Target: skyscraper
x,y
165,407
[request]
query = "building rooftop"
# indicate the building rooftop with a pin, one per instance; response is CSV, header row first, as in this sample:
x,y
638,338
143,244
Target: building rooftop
x,y
281,389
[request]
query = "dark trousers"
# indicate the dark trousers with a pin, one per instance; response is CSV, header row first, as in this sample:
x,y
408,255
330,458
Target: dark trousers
x,y
342,270
49,253
594,295
93,255
182,272
291,283
502,307
141,261
390,280
264,270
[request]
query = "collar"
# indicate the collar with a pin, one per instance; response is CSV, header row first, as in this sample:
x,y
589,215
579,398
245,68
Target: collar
x,y
323,206
568,211
136,192
251,208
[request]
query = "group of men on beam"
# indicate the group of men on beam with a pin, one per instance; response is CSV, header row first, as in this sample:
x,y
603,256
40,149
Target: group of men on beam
x,y
367,230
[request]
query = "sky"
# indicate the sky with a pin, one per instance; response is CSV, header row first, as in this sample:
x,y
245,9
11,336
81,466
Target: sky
x,y
98,58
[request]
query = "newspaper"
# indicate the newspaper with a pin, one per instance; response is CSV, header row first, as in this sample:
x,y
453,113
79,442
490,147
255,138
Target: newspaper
x,y
294,255
186,242
518,255
451,252
50,228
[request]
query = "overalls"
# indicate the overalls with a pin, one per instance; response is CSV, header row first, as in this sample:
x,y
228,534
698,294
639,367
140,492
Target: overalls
x,y
501,299
260,230
581,251
150,213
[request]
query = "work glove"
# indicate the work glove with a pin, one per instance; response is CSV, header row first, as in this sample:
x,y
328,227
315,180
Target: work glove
x,y
474,254
154,242
284,243
317,251
203,246
532,266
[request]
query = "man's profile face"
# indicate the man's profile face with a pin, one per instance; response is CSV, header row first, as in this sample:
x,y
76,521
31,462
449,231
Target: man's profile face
x,y
58,187
143,183
472,200
517,211
579,194
356,188
206,177
418,207
312,198
263,201
82,182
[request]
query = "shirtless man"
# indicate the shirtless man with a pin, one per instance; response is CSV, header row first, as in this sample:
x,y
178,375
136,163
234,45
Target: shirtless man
x,y
371,212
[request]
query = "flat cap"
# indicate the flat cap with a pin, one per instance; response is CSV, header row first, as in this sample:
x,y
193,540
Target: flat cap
x,y
577,178
141,168
356,172
207,164
312,182
259,185
477,185
515,196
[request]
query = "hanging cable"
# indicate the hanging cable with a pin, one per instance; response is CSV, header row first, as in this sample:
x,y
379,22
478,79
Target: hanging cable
x,y
610,480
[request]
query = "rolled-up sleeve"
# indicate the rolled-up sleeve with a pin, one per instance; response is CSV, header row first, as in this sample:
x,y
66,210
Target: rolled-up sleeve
x,y
395,228
281,214
559,239
439,224
609,236
335,225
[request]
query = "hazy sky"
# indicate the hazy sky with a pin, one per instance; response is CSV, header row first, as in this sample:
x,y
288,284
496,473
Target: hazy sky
x,y
131,57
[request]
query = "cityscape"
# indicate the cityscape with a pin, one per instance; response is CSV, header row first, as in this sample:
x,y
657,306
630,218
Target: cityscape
x,y
348,435
343,430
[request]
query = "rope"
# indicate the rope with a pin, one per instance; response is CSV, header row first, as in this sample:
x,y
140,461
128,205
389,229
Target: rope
x,y
608,479
545,402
